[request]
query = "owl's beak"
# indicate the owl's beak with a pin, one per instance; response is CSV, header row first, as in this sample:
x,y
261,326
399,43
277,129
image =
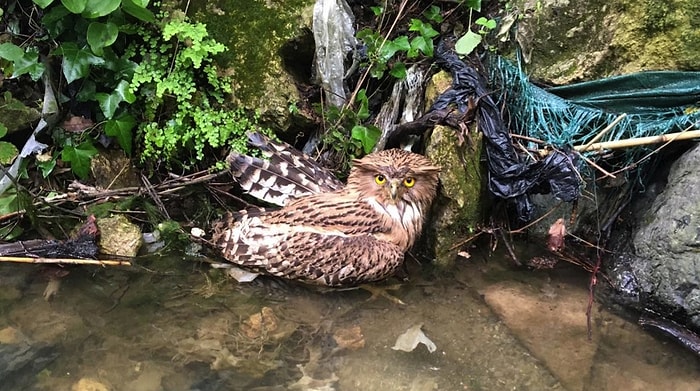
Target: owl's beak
x,y
394,189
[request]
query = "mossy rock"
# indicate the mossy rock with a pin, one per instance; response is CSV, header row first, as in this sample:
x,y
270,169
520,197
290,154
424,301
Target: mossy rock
x,y
119,236
15,115
458,209
270,49
567,41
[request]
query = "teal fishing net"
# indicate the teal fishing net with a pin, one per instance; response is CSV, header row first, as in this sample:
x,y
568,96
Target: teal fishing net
x,y
656,103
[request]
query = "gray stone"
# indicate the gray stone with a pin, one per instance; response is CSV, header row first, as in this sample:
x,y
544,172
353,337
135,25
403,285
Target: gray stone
x,y
666,245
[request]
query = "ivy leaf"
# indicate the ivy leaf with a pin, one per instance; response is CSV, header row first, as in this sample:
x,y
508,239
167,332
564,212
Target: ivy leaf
x,y
363,111
366,135
391,47
473,4
57,20
97,8
422,44
22,62
433,14
121,129
43,3
424,29
29,63
76,61
137,9
46,167
101,35
490,24
467,43
11,52
75,6
377,70
79,158
3,130
124,92
8,152
108,103
87,91
398,70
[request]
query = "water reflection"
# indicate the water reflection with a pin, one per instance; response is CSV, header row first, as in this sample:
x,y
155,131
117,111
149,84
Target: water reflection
x,y
494,328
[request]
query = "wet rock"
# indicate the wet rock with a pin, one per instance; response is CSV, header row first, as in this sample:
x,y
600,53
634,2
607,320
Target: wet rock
x,y
456,212
551,323
661,268
550,320
349,338
119,236
21,359
87,384
16,115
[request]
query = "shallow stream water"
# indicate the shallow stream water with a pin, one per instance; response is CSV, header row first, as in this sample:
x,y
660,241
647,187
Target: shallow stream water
x,y
177,325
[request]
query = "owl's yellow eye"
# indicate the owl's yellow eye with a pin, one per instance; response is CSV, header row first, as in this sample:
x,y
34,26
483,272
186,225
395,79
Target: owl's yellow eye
x,y
409,182
380,179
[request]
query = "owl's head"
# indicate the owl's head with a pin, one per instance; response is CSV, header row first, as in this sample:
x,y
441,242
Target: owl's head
x,y
395,177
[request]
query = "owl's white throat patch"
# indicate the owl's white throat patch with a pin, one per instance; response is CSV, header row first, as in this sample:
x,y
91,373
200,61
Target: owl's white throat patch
x,y
406,214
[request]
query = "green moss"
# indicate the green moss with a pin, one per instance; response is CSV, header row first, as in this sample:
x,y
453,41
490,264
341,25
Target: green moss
x,y
571,41
460,205
659,35
254,32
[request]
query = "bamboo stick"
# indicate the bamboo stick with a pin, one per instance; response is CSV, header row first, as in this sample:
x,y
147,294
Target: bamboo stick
x,y
635,142
71,261
602,133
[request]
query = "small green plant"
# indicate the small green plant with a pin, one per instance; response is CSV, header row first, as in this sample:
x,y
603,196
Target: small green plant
x,y
361,138
183,96
470,40
382,52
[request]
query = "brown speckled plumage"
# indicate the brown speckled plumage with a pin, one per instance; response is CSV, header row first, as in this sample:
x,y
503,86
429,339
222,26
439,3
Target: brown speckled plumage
x,y
333,235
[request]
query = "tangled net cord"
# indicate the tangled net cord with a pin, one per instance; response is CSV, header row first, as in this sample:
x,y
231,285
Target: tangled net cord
x,y
653,104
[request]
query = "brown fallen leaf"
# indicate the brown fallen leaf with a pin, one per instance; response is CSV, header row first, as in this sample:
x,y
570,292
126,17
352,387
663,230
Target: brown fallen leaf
x,y
260,324
349,338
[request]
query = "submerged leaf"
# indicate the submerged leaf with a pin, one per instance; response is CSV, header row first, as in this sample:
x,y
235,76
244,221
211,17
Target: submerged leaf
x,y
409,340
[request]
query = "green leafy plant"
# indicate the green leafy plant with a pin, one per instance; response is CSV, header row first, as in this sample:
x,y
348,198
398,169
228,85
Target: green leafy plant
x,y
361,138
383,53
470,40
92,59
152,85
183,96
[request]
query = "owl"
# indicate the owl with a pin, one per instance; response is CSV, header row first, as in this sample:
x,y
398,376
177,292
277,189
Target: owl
x,y
324,232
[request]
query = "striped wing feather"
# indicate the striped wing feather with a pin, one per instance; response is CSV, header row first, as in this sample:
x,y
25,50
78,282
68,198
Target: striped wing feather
x,y
288,173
